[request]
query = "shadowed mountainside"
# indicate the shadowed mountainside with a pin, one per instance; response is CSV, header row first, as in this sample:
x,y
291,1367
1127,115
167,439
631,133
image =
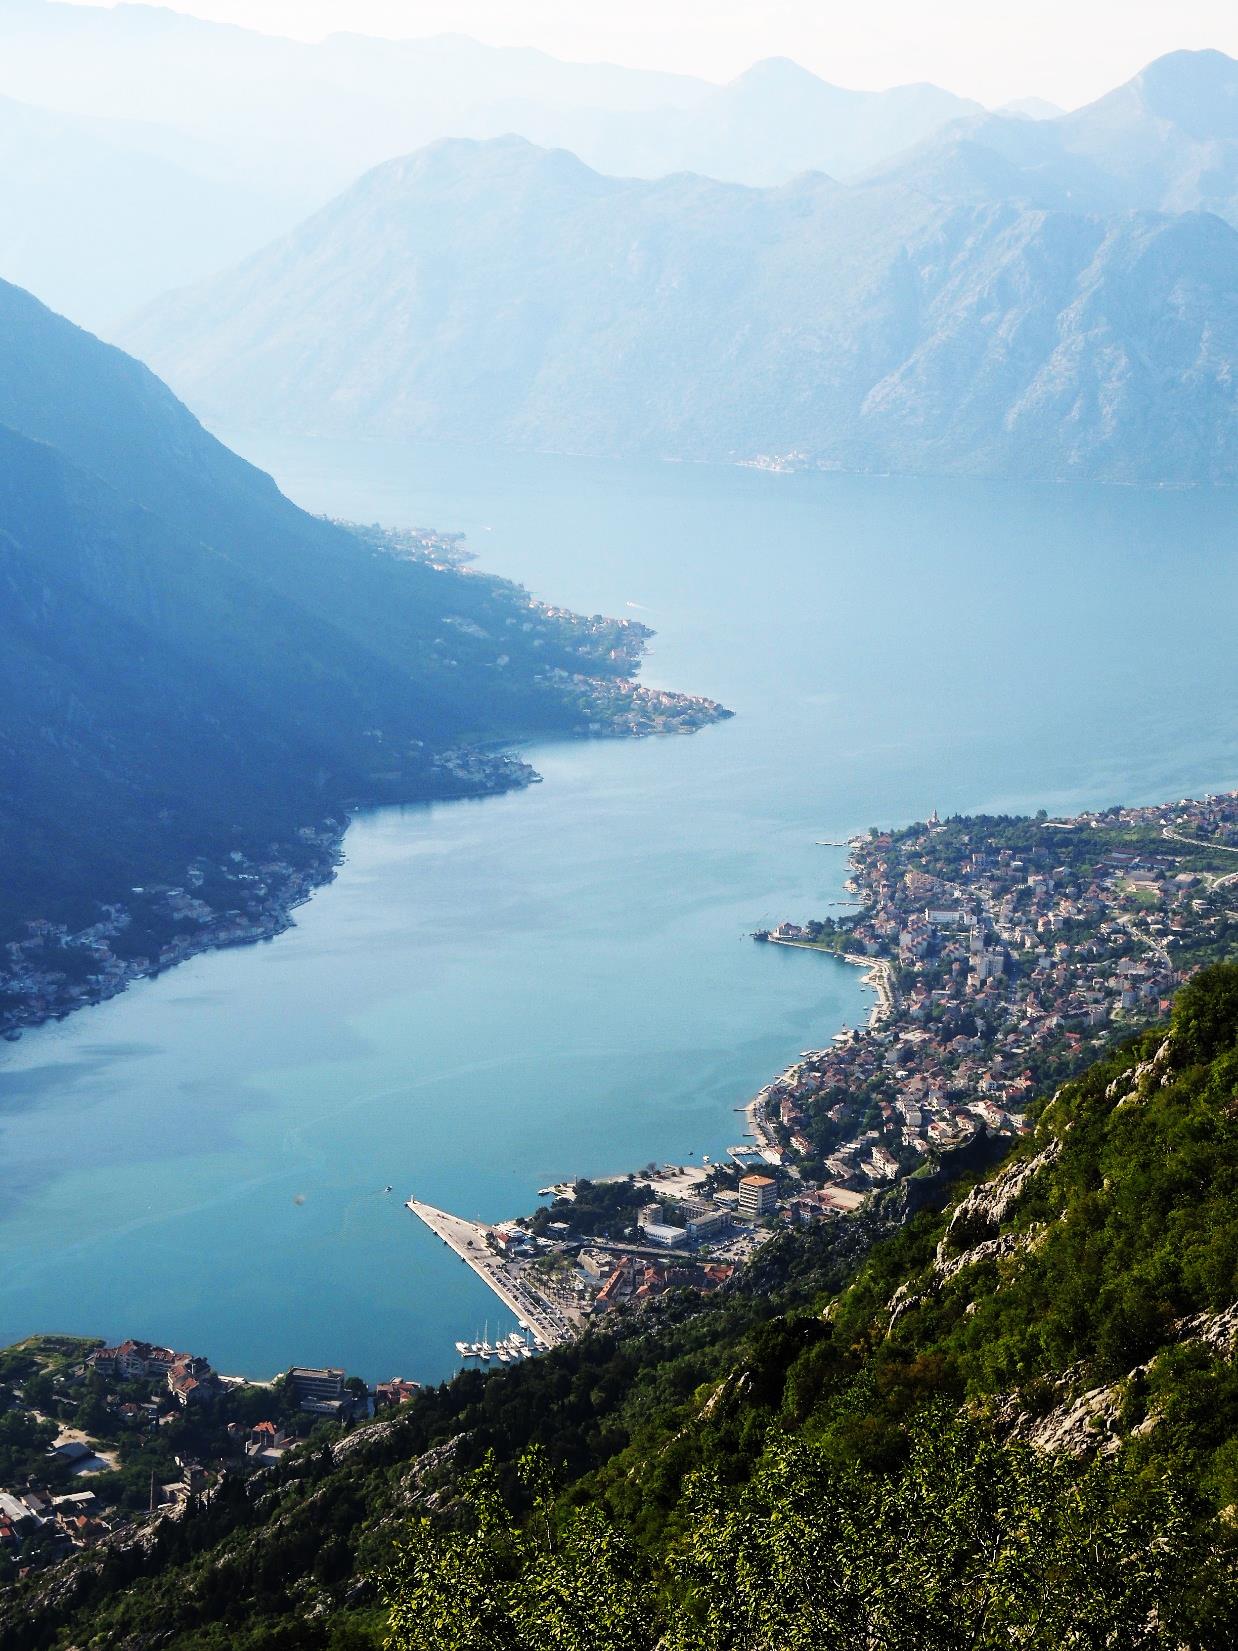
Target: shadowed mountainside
x,y
197,675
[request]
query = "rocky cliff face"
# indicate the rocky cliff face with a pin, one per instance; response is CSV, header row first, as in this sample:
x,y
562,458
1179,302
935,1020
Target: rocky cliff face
x,y
1083,1197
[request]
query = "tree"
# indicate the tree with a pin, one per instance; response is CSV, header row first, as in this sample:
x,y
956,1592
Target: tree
x,y
972,1546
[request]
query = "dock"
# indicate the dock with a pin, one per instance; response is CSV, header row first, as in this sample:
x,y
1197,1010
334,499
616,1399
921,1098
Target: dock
x,y
550,1325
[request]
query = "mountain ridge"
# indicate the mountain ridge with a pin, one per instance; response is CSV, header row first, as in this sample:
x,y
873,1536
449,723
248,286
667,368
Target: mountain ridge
x,y
290,123
500,292
1167,140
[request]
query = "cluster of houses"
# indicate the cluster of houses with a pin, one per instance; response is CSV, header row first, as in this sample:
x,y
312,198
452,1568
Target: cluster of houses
x,y
57,1524
631,1280
39,1524
44,1519
623,706
53,969
189,1379
704,1230
1001,964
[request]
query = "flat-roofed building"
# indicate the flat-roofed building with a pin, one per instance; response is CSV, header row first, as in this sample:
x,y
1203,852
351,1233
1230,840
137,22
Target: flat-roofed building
x,y
320,1391
758,1194
709,1224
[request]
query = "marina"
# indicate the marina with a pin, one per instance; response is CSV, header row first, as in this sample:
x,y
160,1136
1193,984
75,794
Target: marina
x,y
546,1321
510,1350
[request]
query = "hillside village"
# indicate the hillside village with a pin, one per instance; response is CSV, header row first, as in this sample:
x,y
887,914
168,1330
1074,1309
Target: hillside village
x,y
97,1441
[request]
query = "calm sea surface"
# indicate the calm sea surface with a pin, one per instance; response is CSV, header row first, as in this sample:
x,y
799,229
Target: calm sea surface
x,y
493,995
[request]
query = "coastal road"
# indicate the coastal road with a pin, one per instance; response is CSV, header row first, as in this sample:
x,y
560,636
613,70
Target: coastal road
x,y
1195,842
509,1281
878,974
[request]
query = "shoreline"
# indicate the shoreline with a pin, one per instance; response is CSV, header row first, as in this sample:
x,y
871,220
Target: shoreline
x,y
468,1239
934,1099
56,1000
275,918
953,1106
469,773
235,896
877,974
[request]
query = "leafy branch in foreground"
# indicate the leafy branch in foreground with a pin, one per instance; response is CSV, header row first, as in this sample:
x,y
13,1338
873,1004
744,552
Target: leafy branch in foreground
x,y
558,1583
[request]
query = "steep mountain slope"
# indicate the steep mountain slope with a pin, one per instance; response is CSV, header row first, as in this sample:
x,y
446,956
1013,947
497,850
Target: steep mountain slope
x,y
195,673
1167,141
501,292
1016,1424
102,215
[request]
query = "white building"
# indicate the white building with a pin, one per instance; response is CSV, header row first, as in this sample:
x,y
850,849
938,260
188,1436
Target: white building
x,y
758,1194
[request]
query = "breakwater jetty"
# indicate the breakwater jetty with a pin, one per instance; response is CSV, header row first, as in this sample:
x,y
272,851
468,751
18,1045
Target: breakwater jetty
x,y
512,1281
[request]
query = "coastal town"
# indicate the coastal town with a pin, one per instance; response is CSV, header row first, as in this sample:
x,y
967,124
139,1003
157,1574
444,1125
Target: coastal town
x,y
1003,955
54,969
97,1442
609,703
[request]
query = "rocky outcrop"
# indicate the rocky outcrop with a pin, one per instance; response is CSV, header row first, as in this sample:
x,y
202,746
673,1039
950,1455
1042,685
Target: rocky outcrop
x,y
979,1216
1080,1426
1218,1331
1134,1085
1092,1422
1000,1248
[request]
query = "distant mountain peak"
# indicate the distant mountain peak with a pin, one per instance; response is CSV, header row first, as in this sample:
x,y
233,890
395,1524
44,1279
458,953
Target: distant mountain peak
x,y
1197,90
486,158
1031,108
778,72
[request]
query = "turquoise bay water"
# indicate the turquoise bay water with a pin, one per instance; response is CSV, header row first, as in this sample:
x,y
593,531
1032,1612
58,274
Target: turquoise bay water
x,y
494,995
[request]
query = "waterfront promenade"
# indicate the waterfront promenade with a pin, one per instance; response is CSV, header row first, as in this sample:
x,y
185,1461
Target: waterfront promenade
x,y
509,1280
878,975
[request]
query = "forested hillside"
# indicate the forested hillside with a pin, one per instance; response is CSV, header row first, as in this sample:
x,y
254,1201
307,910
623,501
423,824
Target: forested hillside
x,y
200,680
1011,1422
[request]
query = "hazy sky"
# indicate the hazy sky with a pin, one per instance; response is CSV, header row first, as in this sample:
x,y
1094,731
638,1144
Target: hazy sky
x,y
994,50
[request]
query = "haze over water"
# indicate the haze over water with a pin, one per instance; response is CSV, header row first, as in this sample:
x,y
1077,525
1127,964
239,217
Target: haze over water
x,y
493,995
